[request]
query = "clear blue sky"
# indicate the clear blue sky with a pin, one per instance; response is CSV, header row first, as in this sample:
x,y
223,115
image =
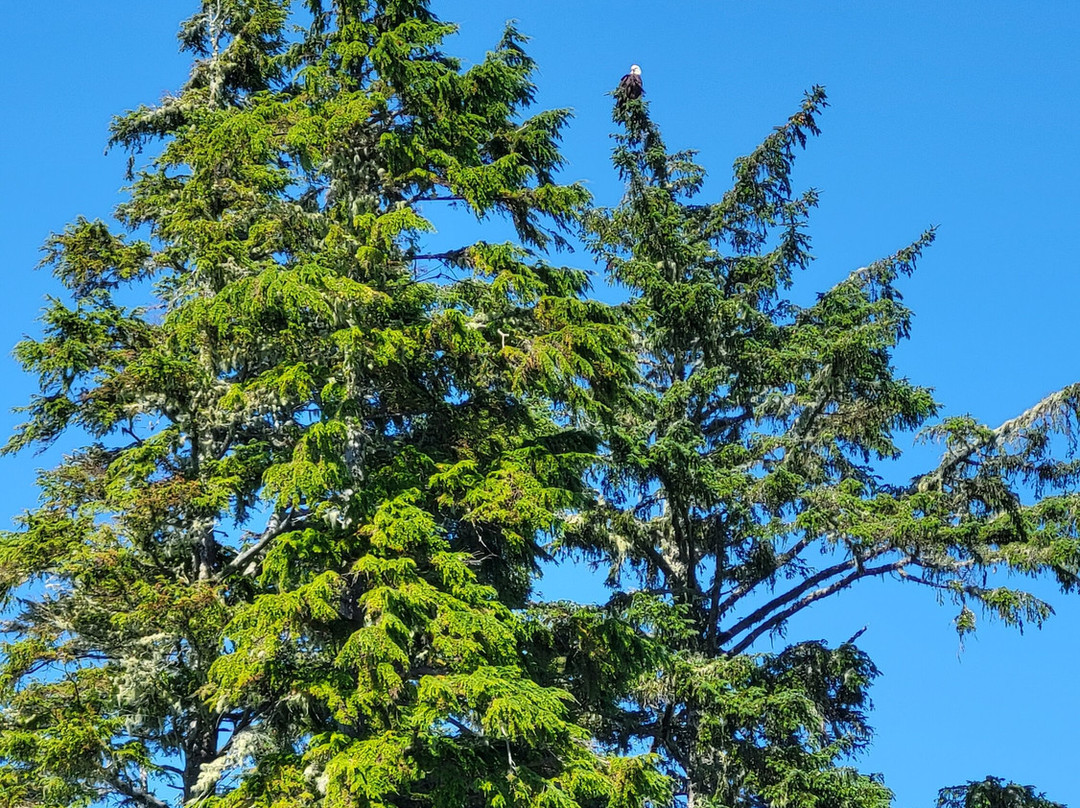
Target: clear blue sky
x,y
961,114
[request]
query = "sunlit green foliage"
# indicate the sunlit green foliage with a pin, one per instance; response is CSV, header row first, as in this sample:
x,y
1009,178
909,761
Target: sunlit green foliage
x,y
323,452
286,568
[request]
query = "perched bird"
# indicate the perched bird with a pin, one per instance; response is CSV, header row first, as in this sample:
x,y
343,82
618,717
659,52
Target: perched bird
x,y
630,87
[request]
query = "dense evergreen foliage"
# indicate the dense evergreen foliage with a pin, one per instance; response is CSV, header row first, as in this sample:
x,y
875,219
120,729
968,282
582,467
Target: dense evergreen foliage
x,y
993,792
287,562
740,488
292,562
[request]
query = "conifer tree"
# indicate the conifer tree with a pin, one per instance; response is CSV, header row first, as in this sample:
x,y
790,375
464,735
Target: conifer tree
x,y
993,792
286,567
291,563
741,486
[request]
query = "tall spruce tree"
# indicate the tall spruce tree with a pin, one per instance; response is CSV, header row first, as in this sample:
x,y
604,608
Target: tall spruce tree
x,y
287,566
741,488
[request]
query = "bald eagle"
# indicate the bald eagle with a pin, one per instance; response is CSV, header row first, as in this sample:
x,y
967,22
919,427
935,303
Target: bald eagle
x,y
630,88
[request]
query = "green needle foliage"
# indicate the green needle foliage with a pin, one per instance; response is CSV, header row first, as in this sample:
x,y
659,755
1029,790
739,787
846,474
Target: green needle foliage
x,y
740,488
287,566
320,459
993,792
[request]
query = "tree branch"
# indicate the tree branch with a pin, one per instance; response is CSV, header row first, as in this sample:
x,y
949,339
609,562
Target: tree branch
x,y
764,611
277,525
133,792
463,727
421,198
1051,407
449,255
782,561
817,594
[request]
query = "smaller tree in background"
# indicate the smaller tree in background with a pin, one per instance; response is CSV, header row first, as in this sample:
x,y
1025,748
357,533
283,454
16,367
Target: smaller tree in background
x,y
993,792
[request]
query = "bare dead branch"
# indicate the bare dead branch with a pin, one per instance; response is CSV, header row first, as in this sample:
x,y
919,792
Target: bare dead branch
x,y
779,618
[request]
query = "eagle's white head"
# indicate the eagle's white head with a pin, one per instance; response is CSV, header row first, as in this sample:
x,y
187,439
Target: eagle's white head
x,y
635,70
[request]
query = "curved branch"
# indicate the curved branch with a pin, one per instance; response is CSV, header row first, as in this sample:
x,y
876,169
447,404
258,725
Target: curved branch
x,y
820,577
1051,408
277,525
136,794
779,618
746,587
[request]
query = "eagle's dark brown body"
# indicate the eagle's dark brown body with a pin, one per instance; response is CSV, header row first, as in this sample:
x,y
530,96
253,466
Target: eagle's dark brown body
x,y
630,87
